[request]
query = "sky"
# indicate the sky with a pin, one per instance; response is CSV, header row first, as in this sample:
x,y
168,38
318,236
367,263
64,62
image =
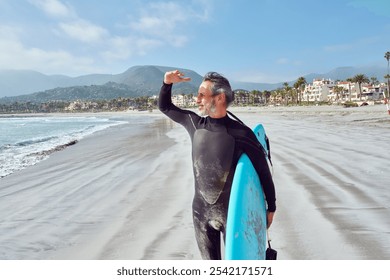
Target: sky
x,y
265,41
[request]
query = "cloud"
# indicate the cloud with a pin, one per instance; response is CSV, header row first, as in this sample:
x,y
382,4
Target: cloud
x,y
160,16
362,42
53,8
379,7
204,11
70,23
9,33
14,55
152,26
282,60
338,48
286,61
125,47
83,31
164,21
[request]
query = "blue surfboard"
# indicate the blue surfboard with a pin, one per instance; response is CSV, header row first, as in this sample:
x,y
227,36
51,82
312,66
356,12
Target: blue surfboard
x,y
246,228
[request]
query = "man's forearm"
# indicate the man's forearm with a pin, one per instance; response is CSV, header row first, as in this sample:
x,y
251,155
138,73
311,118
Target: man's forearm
x,y
165,97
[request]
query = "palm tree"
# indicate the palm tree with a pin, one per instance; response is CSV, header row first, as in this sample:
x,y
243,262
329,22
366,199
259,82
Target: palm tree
x,y
286,91
300,86
274,96
360,79
387,56
254,96
349,80
266,95
387,76
374,81
338,90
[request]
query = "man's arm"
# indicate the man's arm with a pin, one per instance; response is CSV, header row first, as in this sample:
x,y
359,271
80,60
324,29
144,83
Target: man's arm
x,y
268,186
170,78
255,152
165,99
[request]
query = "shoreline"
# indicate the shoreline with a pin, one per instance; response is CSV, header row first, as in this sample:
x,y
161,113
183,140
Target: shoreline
x,y
267,108
28,157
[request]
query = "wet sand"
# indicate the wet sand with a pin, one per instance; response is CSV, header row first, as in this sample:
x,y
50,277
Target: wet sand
x,y
126,194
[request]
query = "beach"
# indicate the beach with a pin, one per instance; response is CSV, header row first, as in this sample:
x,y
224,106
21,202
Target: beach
x,y
125,193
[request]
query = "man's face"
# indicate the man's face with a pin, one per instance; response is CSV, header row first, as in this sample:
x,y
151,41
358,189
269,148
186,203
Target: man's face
x,y
205,99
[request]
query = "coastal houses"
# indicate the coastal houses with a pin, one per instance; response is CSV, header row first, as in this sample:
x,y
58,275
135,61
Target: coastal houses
x,y
327,90
319,91
184,100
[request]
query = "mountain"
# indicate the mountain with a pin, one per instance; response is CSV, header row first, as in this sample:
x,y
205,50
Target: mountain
x,y
109,90
144,80
136,81
149,78
15,82
343,73
255,86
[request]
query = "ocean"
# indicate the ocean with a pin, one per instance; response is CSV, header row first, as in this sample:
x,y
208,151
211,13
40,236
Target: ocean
x,y
27,140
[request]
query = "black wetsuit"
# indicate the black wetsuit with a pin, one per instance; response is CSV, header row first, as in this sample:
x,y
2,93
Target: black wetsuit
x,y
217,144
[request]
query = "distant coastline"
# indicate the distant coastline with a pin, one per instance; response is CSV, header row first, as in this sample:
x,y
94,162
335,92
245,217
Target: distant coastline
x,y
379,106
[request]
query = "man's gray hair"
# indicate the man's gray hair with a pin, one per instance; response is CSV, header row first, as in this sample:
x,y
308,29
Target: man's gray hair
x,y
220,85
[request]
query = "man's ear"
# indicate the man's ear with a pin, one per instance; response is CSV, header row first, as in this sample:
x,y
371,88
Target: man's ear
x,y
221,98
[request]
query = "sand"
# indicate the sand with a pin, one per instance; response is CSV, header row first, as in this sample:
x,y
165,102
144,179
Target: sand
x,y
126,194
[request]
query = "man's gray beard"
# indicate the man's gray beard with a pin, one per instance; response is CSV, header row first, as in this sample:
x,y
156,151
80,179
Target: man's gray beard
x,y
202,113
213,108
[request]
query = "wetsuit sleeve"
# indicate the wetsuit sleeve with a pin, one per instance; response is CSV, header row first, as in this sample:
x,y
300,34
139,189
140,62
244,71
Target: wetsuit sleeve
x,y
255,153
169,109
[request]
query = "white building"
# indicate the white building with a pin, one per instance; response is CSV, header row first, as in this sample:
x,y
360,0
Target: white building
x,y
318,90
324,90
183,101
348,92
373,92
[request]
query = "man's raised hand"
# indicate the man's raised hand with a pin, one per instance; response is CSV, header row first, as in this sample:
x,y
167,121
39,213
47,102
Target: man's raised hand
x,y
173,77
